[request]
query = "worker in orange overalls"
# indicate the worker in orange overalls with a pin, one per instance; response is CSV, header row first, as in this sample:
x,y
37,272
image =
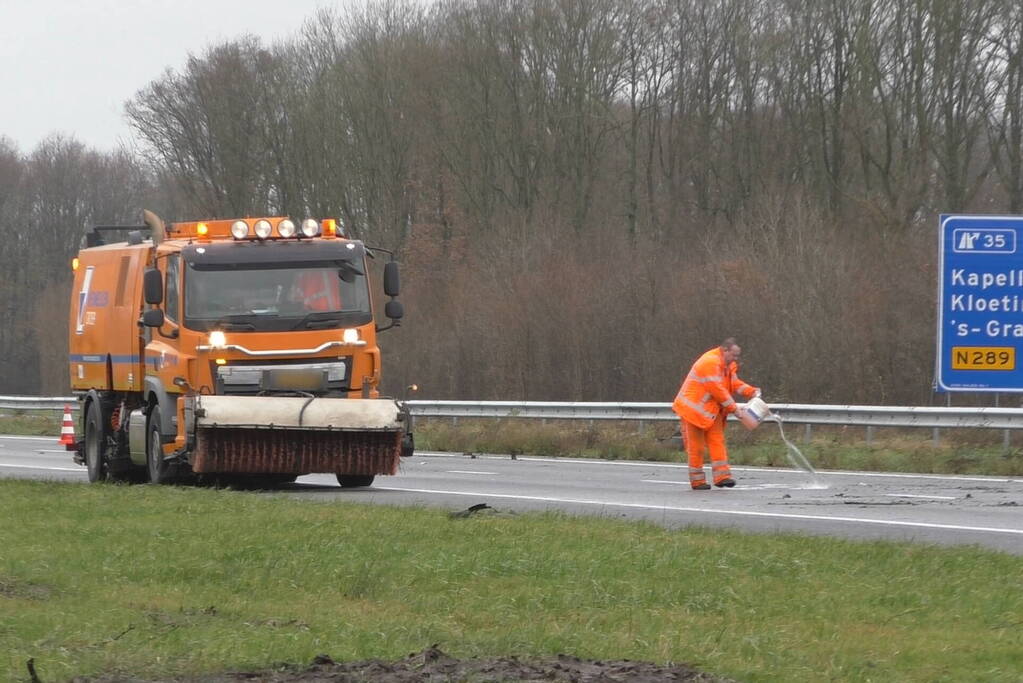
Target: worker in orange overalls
x,y
703,403
318,290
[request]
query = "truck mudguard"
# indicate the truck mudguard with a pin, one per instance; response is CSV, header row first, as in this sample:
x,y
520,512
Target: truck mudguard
x,y
167,406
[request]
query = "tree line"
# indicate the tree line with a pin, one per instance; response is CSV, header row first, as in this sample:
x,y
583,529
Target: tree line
x,y
585,193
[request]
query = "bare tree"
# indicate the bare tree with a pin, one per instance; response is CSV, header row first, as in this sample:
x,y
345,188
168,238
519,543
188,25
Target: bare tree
x,y
963,65
1007,120
203,126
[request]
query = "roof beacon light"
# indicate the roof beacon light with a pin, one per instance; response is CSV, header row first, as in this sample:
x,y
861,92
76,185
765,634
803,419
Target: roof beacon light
x,y
262,228
286,228
202,230
329,227
310,227
239,230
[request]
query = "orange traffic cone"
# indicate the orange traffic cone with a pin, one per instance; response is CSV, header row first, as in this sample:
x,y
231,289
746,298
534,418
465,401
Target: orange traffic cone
x,y
67,430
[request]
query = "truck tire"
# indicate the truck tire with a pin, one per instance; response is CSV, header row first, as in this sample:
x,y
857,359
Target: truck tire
x,y
160,471
95,443
353,481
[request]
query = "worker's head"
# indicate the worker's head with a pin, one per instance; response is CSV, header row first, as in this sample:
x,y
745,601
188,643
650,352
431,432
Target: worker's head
x,y
730,350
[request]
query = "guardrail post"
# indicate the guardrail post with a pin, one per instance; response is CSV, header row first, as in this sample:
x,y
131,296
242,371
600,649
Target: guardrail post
x,y
870,435
935,438
807,429
1005,433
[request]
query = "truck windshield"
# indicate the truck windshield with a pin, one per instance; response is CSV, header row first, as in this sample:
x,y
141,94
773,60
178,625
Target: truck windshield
x,y
293,296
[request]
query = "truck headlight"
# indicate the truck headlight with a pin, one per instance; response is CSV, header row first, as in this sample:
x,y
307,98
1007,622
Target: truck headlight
x,y
350,335
286,228
262,228
310,227
218,339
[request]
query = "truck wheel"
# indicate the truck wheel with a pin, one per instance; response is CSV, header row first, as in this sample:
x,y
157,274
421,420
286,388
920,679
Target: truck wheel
x,y
95,441
159,471
353,481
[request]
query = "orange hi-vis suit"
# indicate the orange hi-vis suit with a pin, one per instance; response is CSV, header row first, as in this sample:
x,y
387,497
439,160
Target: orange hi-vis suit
x,y
319,291
703,403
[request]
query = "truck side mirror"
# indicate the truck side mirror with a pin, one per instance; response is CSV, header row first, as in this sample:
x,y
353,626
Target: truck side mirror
x,y
153,317
392,282
152,286
394,310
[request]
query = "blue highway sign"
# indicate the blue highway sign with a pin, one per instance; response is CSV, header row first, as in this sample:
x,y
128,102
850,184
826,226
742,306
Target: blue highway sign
x,y
980,304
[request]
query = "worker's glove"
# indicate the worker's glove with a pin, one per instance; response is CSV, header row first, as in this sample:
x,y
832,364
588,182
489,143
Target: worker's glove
x,y
756,394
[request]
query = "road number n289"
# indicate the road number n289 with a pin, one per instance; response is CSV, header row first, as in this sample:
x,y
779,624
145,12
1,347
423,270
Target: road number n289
x,y
983,358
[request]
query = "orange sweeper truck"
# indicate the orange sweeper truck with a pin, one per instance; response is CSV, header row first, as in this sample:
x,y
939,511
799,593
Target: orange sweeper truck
x,y
232,349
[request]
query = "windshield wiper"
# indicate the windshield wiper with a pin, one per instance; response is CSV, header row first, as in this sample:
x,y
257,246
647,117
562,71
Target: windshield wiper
x,y
237,318
312,322
237,326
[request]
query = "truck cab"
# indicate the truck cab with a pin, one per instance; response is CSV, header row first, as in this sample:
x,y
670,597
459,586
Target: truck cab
x,y
233,347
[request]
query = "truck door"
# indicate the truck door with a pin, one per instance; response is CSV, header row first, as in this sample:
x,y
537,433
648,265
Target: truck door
x,y
163,356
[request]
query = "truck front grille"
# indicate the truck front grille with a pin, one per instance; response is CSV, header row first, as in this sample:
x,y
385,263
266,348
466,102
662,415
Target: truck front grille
x,y
246,379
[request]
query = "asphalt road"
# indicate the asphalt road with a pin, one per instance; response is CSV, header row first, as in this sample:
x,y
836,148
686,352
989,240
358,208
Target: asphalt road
x,y
939,509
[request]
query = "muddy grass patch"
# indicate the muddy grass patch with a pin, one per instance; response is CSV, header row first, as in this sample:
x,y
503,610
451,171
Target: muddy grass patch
x,y
16,589
434,665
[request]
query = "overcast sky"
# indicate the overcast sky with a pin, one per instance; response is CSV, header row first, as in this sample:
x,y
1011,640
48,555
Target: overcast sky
x,y
68,66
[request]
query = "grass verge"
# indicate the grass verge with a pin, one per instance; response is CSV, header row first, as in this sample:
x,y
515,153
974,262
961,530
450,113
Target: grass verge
x,y
841,448
160,581
31,422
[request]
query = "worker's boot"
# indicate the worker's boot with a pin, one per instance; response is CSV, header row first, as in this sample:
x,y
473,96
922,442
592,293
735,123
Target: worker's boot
x,y
725,483
701,487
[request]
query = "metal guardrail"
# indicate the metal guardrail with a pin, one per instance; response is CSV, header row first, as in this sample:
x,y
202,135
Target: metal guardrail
x,y
795,413
38,402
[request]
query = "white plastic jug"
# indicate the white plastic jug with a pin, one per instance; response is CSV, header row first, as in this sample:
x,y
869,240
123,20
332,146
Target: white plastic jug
x,y
755,412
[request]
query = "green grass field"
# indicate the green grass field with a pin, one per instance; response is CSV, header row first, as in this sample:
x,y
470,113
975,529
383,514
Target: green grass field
x,y
158,581
837,448
30,422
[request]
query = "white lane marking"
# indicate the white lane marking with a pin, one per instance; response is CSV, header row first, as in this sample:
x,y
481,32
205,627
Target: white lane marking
x,y
914,495
766,470
800,487
468,472
46,451
641,506
776,487
741,513
40,467
757,487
